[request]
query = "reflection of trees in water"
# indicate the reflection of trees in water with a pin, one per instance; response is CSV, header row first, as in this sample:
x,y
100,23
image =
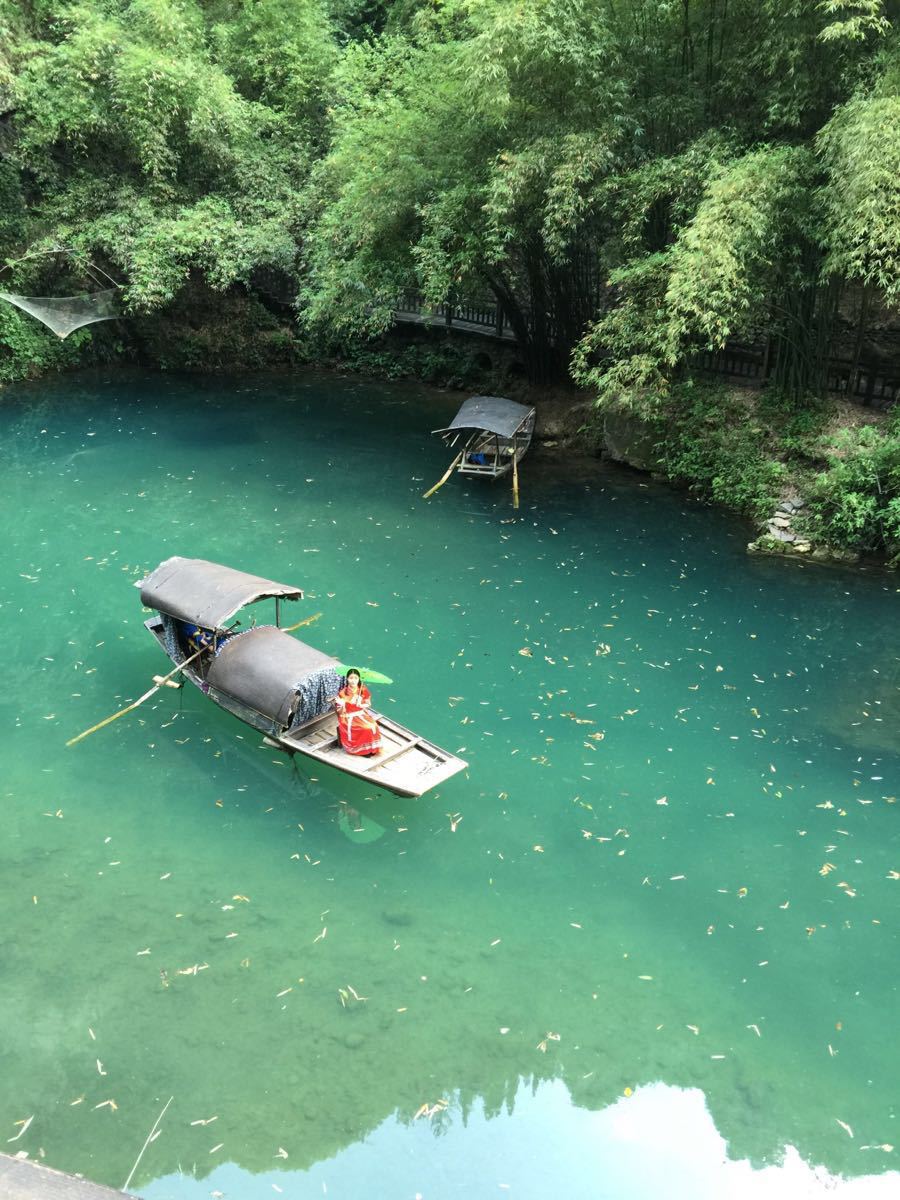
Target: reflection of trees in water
x,y
304,1072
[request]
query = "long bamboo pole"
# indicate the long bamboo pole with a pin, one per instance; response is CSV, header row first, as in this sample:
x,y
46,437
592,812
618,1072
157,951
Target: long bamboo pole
x,y
443,479
300,624
131,707
515,473
146,696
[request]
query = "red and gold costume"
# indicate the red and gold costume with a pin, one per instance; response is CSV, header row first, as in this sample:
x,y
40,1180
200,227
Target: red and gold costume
x,y
357,727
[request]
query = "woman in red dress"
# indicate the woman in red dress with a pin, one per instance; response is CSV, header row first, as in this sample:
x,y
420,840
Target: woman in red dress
x,y
357,727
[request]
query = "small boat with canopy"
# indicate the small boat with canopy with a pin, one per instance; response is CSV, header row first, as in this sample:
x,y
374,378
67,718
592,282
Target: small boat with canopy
x,y
493,434
272,681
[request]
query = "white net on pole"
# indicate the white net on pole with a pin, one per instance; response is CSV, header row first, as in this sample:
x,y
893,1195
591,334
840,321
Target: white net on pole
x,y
65,314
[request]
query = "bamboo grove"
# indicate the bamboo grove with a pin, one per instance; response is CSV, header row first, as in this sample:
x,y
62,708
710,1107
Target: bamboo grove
x,y
634,181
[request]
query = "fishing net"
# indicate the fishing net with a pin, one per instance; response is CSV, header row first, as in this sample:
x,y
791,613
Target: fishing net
x,y
65,314
315,693
172,640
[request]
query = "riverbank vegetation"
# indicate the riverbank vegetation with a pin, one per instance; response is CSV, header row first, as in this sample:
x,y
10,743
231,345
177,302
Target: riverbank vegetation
x,y
634,183
750,451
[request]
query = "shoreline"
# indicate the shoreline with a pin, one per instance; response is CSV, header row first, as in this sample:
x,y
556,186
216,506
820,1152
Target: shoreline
x,y
568,424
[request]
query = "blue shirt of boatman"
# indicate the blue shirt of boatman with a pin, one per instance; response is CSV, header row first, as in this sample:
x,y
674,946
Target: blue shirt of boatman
x,y
197,636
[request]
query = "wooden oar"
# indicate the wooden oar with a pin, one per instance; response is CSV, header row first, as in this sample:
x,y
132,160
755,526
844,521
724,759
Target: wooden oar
x,y
443,479
165,679
131,707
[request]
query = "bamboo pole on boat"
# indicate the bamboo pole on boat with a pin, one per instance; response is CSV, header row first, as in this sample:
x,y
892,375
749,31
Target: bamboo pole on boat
x,y
515,472
164,680
300,624
131,707
443,479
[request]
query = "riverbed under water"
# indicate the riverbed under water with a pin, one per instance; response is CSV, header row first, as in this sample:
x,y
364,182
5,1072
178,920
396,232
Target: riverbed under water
x,y
646,945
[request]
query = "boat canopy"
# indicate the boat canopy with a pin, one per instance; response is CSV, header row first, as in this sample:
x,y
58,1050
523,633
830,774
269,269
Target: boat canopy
x,y
266,667
206,593
494,414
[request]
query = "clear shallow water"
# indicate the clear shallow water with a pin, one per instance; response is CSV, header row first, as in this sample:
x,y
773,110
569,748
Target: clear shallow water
x,y
573,938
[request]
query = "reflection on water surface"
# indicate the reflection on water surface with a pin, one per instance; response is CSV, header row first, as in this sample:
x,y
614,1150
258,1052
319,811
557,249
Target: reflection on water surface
x,y
659,1142
671,861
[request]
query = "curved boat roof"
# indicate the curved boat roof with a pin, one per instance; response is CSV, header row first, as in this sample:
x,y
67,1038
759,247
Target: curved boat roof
x,y
263,668
206,593
495,414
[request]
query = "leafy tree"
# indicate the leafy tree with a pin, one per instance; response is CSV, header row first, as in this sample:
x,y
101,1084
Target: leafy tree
x,y
734,237
633,181
145,139
462,161
860,149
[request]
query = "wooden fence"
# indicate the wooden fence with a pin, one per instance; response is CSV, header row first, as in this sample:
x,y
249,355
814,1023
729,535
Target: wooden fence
x,y
864,383
464,316
873,385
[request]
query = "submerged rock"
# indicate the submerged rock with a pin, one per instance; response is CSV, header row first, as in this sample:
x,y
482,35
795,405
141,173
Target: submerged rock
x,y
397,916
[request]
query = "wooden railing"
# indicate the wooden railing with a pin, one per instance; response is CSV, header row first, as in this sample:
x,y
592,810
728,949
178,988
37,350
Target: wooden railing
x,y
870,384
865,383
464,316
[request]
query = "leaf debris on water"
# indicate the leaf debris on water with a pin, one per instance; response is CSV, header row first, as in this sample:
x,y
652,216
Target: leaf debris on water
x,y
25,1122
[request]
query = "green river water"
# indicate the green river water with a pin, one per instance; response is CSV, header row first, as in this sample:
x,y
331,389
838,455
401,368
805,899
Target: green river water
x,y
647,945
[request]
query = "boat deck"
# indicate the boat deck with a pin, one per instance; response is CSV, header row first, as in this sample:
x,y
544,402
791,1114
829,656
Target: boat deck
x,y
407,764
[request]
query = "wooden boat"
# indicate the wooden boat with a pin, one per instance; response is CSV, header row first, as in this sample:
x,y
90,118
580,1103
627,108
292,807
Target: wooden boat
x,y
270,680
493,433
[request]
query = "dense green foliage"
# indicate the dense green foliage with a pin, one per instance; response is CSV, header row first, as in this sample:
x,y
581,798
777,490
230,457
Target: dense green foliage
x,y
856,500
745,451
163,138
633,182
711,440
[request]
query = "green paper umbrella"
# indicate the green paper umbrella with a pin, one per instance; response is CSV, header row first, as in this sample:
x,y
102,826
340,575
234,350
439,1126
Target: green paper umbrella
x,y
366,674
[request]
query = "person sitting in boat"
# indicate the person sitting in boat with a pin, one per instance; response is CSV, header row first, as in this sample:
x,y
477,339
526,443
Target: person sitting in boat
x,y
357,726
196,637
483,454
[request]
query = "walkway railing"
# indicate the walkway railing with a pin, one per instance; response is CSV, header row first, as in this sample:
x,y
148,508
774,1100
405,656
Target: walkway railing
x,y
464,316
861,382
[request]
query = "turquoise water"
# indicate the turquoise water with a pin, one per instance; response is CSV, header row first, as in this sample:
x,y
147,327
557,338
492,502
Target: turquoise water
x,y
650,935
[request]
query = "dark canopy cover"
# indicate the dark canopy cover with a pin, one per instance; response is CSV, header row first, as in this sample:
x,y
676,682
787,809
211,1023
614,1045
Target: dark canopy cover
x,y
206,593
495,414
263,668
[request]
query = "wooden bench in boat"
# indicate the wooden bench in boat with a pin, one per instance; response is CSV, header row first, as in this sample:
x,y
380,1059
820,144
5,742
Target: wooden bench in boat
x,y
408,764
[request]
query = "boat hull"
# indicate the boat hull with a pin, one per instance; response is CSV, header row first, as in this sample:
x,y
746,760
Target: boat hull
x,y
409,765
